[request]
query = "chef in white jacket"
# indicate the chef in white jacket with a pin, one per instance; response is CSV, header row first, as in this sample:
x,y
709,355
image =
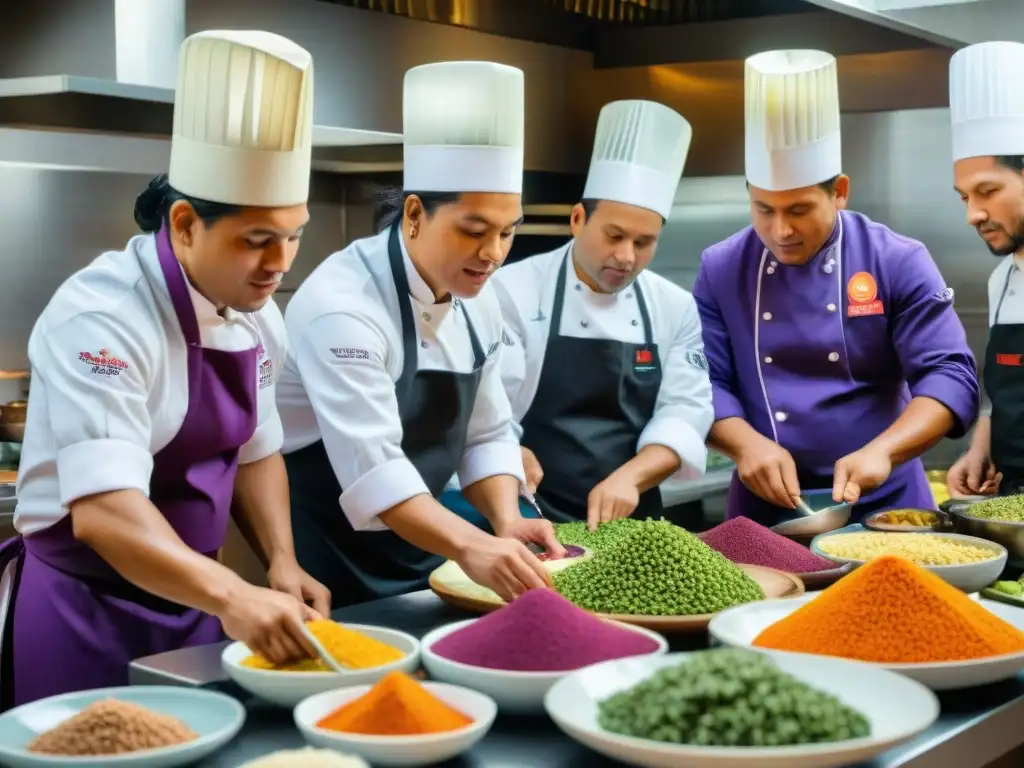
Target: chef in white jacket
x,y
986,107
603,360
393,381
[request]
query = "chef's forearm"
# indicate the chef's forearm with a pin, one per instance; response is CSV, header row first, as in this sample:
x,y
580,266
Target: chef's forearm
x,y
732,436
261,508
651,466
981,440
496,498
135,539
425,523
922,425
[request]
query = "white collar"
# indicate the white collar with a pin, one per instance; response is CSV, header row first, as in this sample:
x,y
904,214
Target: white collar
x,y
418,287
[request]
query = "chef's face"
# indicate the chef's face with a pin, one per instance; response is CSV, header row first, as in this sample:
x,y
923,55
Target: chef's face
x,y
614,243
794,224
994,196
459,245
238,261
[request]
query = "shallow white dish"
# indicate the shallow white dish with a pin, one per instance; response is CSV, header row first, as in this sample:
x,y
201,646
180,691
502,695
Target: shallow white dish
x,y
970,577
896,707
739,627
217,718
514,692
398,750
286,689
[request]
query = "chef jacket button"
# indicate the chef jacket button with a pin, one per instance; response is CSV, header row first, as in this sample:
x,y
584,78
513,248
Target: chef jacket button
x,y
770,270
424,344
426,316
584,323
774,263
833,356
629,295
780,416
579,287
767,315
634,322
831,307
768,360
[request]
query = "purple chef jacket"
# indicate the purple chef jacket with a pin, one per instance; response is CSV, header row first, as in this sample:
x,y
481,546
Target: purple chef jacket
x,y
825,356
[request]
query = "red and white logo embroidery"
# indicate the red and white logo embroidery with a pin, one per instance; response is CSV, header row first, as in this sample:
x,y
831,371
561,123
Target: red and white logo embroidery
x,y
103,363
266,367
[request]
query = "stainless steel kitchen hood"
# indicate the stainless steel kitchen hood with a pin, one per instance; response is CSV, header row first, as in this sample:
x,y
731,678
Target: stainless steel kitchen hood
x,y
951,23
71,102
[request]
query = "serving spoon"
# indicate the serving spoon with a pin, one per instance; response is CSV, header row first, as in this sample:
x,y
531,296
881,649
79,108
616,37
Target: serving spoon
x,y
322,652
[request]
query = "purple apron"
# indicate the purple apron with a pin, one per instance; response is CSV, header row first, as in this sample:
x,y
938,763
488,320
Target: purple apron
x,y
73,623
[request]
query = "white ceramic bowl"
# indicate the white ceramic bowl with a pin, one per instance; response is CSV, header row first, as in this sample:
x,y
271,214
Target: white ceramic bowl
x,y
514,692
896,707
398,750
740,626
286,689
970,577
217,718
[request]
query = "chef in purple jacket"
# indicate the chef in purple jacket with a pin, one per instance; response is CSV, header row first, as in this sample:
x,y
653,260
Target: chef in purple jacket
x,y
836,357
152,410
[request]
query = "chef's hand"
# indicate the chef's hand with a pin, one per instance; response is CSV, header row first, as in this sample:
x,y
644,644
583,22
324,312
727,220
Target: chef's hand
x,y
505,566
768,470
532,530
973,474
285,575
859,472
269,623
534,473
612,498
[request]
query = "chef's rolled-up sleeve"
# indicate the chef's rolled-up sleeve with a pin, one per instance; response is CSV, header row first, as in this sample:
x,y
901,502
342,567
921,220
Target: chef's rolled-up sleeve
x,y
492,440
683,412
717,349
95,374
342,359
930,339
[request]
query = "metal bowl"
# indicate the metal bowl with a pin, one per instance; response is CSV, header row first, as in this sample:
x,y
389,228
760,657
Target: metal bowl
x,y
1009,534
823,521
943,522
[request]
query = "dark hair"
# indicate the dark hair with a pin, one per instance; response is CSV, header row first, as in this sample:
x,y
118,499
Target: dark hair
x,y
391,203
152,205
1013,162
590,205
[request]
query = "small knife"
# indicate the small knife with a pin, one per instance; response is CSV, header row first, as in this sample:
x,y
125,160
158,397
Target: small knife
x,y
524,493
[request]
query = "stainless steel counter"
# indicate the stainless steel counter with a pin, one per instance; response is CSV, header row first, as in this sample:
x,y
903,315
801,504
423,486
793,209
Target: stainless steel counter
x,y
976,727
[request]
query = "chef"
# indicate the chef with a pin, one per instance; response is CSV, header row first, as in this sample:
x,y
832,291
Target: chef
x,y
152,407
836,356
986,106
393,381
603,360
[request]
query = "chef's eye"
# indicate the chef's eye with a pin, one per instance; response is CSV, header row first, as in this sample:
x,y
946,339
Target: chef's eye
x,y
468,233
257,245
507,235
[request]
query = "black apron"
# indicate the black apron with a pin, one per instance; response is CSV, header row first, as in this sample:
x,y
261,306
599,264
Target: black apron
x,y
594,398
434,407
1004,385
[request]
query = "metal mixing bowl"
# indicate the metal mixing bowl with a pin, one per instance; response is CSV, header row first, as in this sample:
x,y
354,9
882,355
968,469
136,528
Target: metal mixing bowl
x,y
1010,535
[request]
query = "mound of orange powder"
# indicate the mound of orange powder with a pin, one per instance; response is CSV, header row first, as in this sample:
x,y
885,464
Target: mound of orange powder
x,y
892,611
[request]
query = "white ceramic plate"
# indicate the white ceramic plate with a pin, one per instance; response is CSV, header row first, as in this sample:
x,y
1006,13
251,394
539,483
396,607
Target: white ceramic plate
x,y
215,717
970,577
897,708
286,689
739,627
398,750
514,692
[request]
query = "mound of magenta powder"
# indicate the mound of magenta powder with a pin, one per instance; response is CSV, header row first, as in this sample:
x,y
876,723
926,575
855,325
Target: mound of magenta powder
x,y
744,541
541,631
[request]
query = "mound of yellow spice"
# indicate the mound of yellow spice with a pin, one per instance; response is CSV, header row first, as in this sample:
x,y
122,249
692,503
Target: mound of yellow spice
x,y
892,611
349,648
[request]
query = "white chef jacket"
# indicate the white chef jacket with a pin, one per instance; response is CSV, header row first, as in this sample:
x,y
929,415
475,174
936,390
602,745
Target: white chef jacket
x,y
90,430
346,353
683,413
1012,311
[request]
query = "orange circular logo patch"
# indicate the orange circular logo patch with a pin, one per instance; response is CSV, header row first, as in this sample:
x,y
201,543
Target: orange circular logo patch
x,y
862,288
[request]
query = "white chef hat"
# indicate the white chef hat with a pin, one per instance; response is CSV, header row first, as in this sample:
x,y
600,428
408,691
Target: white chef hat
x,y
986,100
243,119
792,119
640,148
463,126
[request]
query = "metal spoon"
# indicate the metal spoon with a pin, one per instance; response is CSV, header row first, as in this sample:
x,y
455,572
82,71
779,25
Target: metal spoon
x,y
329,660
804,508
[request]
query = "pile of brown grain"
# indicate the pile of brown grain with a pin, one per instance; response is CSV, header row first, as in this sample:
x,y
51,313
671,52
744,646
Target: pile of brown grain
x,y
112,727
